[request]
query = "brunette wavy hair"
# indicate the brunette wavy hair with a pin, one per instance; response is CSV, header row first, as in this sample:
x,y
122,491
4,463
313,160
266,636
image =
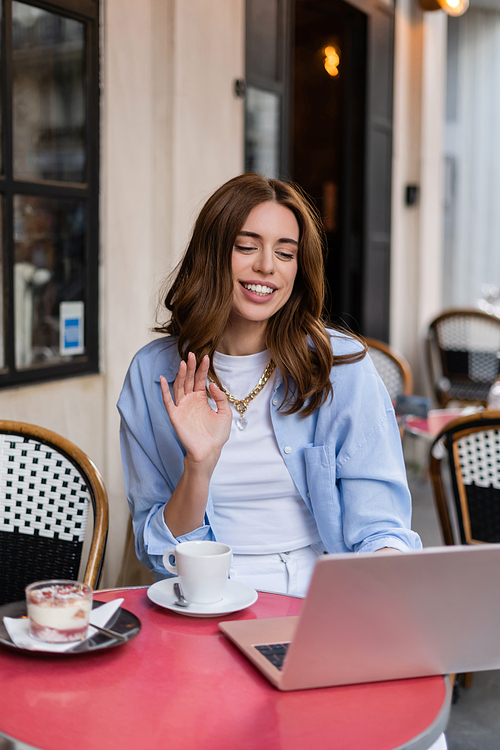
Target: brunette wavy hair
x,y
201,294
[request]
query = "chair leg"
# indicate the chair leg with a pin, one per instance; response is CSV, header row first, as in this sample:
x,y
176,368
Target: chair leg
x,y
440,500
458,681
467,679
455,688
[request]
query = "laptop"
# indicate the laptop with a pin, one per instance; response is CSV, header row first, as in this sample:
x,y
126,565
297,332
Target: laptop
x,y
383,617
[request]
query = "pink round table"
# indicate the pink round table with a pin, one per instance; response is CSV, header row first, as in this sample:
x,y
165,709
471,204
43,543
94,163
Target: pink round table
x,y
429,427
181,684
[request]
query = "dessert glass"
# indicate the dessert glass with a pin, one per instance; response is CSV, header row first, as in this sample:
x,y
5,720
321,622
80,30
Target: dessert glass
x,y
58,611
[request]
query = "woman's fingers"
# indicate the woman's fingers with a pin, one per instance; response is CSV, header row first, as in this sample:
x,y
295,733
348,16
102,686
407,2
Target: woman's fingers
x,y
189,378
201,430
200,379
224,416
220,399
218,396
191,383
179,382
190,373
166,395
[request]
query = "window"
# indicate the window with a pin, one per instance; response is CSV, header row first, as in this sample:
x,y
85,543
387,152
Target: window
x,y
268,32
48,190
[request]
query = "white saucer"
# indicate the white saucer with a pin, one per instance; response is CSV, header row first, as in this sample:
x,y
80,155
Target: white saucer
x,y
237,595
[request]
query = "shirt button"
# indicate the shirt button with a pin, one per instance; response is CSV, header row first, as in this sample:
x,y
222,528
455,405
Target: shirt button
x,y
275,402
308,494
288,449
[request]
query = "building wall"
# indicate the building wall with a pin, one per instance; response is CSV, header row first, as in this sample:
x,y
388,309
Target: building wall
x,y
472,151
171,131
417,231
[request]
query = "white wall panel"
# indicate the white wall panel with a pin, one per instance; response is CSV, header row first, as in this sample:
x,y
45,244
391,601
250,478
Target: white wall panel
x,y
416,232
208,118
472,149
173,132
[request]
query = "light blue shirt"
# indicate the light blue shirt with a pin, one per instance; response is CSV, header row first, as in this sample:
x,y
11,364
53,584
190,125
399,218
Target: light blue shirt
x,y
345,459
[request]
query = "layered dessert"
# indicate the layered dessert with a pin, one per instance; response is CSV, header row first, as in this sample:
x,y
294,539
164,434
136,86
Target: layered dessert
x,y
58,611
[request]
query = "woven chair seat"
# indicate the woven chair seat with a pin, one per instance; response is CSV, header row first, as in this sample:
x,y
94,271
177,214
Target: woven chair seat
x,y
463,355
392,367
471,447
45,498
467,391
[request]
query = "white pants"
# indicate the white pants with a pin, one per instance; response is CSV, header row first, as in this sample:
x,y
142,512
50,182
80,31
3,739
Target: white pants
x,y
286,573
440,743
281,573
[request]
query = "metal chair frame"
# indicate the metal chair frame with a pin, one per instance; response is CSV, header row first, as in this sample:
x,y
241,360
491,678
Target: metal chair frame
x,y
468,440
32,485
475,369
472,446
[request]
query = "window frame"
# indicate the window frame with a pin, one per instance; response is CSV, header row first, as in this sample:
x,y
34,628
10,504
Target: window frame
x,y
87,12
278,84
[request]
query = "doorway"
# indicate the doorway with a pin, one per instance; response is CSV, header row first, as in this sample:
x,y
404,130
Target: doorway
x,y
318,110
328,139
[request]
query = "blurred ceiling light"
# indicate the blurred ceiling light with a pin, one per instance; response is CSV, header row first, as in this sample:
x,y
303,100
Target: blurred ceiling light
x,y
451,7
331,61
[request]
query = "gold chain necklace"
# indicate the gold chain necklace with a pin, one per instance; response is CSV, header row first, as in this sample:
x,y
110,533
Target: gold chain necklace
x,y
241,405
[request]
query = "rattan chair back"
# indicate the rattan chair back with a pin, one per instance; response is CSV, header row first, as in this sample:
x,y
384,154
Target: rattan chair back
x,y
47,487
470,446
392,368
463,347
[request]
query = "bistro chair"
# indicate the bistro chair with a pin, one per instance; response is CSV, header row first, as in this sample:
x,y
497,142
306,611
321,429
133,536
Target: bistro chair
x,y
47,486
463,347
470,446
392,368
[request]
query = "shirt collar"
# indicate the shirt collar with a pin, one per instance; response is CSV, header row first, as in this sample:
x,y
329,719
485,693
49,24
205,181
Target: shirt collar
x,y
167,365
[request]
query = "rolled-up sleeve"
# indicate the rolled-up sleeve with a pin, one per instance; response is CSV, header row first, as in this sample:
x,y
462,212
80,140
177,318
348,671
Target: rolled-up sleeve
x,y
374,494
148,491
153,462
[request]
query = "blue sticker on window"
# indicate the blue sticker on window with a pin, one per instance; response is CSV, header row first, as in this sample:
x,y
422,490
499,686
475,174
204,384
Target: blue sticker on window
x,y
71,328
71,333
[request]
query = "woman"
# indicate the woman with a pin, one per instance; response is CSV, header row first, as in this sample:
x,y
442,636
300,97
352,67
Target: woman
x,y
248,421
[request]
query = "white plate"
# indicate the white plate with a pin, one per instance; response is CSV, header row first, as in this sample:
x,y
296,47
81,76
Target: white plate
x,y
237,596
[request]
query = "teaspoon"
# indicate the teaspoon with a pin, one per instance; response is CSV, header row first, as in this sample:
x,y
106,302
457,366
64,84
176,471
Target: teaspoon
x,y
110,633
181,602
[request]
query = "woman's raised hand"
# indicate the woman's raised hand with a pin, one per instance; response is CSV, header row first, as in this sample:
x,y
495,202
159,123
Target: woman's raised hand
x,y
201,430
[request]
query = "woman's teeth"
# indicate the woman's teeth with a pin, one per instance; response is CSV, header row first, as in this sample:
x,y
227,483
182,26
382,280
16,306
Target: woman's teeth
x,y
259,289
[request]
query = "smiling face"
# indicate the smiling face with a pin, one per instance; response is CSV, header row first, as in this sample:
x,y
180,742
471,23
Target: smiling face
x,y
264,267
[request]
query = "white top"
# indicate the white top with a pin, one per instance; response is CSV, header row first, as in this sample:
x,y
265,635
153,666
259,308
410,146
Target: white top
x,y
256,503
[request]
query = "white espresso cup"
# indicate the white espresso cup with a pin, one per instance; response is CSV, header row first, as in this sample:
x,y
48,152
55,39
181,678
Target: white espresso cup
x,y
202,567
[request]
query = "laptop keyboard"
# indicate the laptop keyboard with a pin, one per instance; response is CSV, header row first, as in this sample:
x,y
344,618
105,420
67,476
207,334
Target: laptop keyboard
x,y
274,652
